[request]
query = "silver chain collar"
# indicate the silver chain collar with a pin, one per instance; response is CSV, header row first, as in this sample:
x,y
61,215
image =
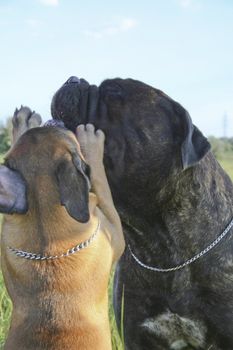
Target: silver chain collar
x,y
189,261
73,250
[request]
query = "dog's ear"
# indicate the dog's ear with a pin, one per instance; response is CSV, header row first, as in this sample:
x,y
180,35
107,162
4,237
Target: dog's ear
x,y
194,146
13,197
74,188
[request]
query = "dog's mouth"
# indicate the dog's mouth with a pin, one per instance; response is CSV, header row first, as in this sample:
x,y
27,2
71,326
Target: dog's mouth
x,y
75,103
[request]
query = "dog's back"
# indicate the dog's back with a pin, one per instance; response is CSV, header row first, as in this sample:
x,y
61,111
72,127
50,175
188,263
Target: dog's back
x,y
58,284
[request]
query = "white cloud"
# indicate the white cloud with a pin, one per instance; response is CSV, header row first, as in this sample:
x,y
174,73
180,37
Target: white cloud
x,y
185,3
190,4
49,2
121,26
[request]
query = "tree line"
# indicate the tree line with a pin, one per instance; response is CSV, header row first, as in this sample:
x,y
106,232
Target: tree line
x,y
222,147
5,136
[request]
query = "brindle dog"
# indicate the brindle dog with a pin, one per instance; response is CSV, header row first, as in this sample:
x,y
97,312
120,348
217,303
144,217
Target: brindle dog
x,y
174,200
59,289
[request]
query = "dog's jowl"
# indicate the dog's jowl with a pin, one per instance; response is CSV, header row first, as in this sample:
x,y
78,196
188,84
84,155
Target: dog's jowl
x,y
176,206
60,237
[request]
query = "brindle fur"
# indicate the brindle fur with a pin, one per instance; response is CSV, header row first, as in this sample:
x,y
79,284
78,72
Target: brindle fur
x,y
174,199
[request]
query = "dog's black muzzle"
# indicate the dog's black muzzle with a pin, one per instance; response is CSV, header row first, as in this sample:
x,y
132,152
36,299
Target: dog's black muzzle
x,y
75,103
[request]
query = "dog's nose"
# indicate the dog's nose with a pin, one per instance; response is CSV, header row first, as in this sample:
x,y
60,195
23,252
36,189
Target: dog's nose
x,y
73,79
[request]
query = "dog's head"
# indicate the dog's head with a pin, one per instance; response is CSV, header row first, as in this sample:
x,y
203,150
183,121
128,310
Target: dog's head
x,y
45,162
149,137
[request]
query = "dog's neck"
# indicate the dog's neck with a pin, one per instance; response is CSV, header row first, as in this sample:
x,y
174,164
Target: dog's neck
x,y
48,229
188,219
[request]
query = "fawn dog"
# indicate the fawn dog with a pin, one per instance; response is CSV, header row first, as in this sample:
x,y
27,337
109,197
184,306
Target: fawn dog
x,y
61,234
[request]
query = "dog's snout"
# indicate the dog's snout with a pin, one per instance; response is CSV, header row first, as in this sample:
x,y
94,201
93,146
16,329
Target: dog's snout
x,y
73,79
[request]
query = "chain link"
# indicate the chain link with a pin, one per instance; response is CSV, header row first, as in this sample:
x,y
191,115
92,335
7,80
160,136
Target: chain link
x,y
73,250
189,261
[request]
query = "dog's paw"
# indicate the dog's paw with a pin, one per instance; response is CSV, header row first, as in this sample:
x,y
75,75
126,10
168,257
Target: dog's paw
x,y
23,120
91,143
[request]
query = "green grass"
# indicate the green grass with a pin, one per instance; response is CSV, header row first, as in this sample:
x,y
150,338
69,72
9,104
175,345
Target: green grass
x,y
227,164
116,340
5,312
6,307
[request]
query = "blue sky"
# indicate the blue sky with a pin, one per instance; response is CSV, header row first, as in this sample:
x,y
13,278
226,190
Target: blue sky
x,y
183,47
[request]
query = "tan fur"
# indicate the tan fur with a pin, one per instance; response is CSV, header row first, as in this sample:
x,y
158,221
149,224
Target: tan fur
x,y
61,304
